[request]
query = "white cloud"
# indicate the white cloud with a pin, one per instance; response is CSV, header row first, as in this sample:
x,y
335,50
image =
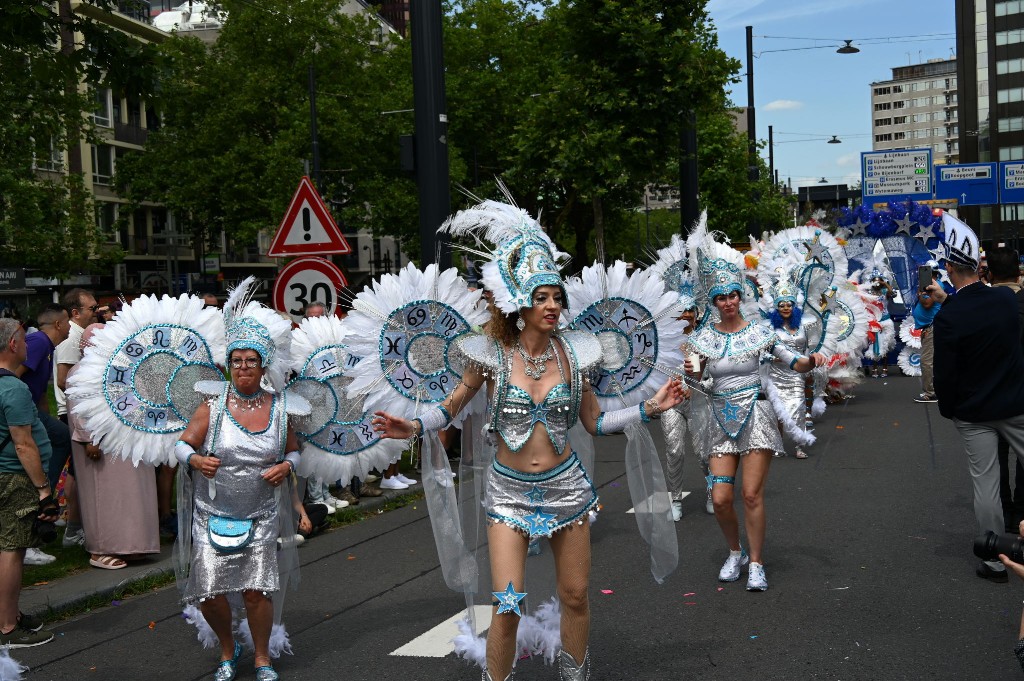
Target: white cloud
x,y
848,160
783,105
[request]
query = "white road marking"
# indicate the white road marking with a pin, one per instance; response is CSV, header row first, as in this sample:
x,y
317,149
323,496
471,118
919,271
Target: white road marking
x,y
438,641
685,494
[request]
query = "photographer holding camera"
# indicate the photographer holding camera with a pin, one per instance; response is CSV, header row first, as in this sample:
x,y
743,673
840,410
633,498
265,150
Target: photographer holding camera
x,y
27,507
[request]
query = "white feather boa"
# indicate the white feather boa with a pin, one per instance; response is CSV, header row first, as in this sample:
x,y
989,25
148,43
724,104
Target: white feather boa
x,y
10,669
645,289
280,642
86,386
539,635
371,311
801,436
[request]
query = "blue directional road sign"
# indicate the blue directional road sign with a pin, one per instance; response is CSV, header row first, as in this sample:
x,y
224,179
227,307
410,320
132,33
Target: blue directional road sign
x,y
970,184
1011,181
896,175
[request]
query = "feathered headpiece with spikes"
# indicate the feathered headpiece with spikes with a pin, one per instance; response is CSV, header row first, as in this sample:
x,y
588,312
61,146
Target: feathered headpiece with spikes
x,y
523,258
250,325
718,268
672,266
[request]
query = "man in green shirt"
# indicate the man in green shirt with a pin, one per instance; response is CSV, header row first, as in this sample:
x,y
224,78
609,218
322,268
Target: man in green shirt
x,y
25,495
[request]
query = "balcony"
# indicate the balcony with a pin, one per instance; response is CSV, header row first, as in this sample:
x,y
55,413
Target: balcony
x,y
130,134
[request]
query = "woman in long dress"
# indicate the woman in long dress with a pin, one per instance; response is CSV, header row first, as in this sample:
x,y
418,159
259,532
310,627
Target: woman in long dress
x,y
118,500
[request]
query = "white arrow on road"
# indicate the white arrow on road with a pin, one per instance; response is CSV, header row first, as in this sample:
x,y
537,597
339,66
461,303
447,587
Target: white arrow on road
x,y
438,641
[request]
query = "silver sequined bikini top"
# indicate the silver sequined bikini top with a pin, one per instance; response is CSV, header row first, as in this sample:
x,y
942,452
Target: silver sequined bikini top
x,y
514,414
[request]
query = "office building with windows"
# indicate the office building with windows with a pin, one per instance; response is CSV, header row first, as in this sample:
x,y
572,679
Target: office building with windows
x,y
990,70
918,109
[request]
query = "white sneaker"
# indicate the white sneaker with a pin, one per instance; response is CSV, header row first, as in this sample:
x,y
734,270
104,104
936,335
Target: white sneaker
x,y
756,581
677,511
331,508
393,483
37,557
370,477
733,566
408,481
73,539
299,539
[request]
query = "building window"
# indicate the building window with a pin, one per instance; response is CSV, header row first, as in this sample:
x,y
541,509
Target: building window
x,y
102,114
896,89
1011,153
899,136
899,120
1005,66
899,104
49,157
882,90
1011,37
882,121
1015,124
1013,94
887,137
882,106
1005,8
106,217
102,164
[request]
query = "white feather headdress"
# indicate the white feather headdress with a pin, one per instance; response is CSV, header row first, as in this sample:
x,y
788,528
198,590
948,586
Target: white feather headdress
x,y
523,256
251,325
672,267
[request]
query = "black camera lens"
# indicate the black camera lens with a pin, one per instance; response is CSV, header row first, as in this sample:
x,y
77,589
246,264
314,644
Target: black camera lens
x,y
989,545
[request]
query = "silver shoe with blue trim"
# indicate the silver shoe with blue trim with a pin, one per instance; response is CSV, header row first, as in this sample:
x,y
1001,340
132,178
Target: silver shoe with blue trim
x,y
266,673
227,669
487,676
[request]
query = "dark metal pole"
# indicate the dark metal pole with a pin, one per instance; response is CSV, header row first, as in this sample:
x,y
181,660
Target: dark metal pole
x,y
751,125
689,210
771,154
312,128
431,121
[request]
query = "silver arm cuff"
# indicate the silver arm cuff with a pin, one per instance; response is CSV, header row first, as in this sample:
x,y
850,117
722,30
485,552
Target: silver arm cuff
x,y
609,422
435,419
182,452
292,458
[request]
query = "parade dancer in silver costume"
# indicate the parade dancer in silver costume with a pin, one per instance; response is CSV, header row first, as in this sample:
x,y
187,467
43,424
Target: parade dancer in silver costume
x,y
534,377
792,330
240,450
743,424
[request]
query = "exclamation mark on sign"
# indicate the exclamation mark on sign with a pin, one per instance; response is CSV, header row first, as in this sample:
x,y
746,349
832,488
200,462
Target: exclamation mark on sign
x,y
306,226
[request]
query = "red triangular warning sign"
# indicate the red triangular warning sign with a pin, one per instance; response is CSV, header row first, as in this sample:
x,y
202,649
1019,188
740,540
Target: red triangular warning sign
x,y
307,227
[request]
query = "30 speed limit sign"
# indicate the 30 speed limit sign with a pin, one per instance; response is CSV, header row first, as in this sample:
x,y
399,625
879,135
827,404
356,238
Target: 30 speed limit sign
x,y
307,280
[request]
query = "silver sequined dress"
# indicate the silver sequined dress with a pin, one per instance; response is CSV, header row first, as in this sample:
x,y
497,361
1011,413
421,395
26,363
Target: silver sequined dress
x,y
242,494
738,418
791,384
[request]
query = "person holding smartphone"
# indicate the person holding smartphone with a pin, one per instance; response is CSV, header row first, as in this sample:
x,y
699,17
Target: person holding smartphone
x,y
924,313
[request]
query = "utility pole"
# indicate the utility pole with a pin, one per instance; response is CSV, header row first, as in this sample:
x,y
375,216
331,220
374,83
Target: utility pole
x,y
689,210
312,128
431,127
751,124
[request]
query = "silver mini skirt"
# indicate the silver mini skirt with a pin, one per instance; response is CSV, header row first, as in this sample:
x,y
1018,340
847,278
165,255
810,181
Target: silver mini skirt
x,y
540,504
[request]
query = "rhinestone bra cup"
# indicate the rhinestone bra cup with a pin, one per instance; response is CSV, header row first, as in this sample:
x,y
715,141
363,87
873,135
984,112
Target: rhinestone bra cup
x,y
520,414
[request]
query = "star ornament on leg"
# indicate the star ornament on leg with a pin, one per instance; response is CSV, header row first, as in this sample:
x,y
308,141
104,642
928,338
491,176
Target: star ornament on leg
x,y
508,600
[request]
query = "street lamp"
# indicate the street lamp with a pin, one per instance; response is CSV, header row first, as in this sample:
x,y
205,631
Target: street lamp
x,y
835,140
848,48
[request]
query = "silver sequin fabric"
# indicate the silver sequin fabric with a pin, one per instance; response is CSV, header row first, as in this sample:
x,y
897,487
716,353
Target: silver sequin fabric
x,y
791,384
539,504
241,493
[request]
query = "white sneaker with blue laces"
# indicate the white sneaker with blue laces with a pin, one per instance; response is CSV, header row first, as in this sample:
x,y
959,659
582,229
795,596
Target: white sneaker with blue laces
x,y
733,566
756,580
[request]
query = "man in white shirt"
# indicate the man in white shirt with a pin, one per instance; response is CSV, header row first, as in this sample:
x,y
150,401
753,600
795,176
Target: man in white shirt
x,y
81,306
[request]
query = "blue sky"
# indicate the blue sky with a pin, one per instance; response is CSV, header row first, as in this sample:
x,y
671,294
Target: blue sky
x,y
818,93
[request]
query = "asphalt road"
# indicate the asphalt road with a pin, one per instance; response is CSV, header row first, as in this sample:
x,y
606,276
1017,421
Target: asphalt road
x,y
868,558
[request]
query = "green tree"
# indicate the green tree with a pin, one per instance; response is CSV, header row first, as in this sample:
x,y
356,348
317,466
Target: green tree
x,y
236,122
47,220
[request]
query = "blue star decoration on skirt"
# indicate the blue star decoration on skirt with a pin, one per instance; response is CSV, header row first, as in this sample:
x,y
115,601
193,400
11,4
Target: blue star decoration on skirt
x,y
508,600
535,495
540,522
731,412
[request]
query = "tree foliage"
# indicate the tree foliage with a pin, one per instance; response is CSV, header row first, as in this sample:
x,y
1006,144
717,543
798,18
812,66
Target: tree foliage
x,y
236,126
45,81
